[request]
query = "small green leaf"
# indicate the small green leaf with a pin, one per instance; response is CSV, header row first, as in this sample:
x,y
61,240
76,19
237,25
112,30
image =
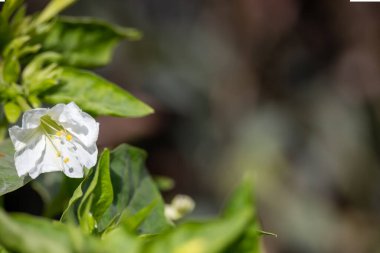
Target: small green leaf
x,y
249,240
105,97
242,197
132,222
10,6
85,42
53,8
41,73
11,69
34,101
9,180
12,111
69,214
164,183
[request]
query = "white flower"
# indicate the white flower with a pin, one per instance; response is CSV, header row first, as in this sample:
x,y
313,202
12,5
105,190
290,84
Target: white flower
x,y
62,138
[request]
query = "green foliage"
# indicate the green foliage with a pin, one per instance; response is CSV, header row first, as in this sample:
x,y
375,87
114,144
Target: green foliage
x,y
118,189
12,111
247,241
234,231
24,233
76,85
85,42
37,55
117,207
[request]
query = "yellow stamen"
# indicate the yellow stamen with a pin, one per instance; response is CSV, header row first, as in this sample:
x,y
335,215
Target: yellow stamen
x,y
59,133
66,160
69,137
58,154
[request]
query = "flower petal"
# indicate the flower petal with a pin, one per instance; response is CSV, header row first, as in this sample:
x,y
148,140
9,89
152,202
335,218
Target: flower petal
x,y
31,118
27,158
77,122
87,155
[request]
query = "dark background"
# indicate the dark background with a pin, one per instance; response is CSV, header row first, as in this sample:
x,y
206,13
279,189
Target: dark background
x,y
286,90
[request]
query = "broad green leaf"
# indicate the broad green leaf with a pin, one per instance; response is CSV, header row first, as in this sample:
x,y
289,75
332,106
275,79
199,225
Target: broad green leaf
x,y
12,111
133,190
9,180
85,42
95,95
28,234
135,196
208,237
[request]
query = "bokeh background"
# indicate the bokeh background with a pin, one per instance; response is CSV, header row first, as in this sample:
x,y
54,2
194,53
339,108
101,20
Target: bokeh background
x,y
287,90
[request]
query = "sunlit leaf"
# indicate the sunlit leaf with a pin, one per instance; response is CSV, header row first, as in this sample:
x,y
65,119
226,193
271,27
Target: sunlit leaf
x,y
52,9
86,42
12,111
95,95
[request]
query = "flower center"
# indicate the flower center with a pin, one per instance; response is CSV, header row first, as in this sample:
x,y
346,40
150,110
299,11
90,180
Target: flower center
x,y
57,136
49,126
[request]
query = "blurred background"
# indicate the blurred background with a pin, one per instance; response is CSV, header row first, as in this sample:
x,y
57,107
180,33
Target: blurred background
x,y
287,90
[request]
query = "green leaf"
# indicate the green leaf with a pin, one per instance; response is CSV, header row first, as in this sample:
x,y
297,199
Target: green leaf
x,y
164,183
105,97
98,196
41,73
133,190
242,197
131,222
135,196
120,240
11,69
69,214
28,234
249,240
10,6
208,237
12,111
86,42
53,8
9,180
